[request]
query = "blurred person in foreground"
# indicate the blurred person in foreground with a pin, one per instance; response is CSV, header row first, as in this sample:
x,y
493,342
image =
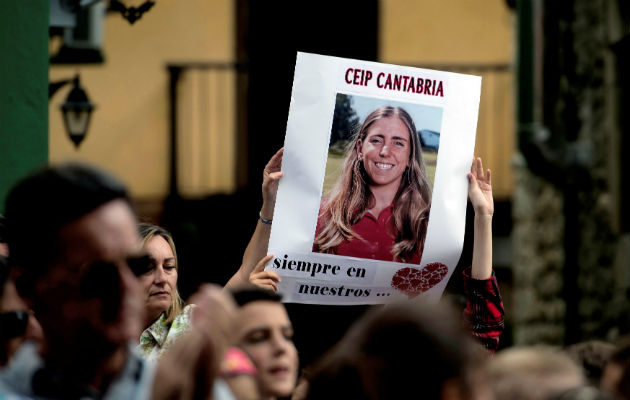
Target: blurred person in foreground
x,y
17,324
533,373
616,375
241,375
264,331
402,351
592,355
75,272
582,393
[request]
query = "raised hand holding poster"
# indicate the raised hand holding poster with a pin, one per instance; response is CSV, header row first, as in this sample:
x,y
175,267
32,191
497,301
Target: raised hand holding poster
x,y
371,207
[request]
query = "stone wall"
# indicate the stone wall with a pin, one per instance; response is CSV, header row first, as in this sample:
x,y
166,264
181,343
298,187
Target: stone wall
x,y
565,238
538,259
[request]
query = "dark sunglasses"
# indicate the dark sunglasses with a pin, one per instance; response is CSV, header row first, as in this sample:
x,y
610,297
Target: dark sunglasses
x,y
102,276
13,323
140,265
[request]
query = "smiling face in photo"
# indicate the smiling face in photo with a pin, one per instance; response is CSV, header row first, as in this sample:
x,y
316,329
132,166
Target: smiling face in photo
x,y
160,279
385,151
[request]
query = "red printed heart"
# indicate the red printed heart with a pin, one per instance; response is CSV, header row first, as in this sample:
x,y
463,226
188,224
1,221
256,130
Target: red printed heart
x,y
414,281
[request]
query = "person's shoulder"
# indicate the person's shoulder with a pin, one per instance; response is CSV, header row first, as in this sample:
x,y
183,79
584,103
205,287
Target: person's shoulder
x,y
183,320
12,396
15,378
8,393
135,381
186,313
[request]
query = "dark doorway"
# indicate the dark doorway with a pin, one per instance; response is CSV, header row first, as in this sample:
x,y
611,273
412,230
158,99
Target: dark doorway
x,y
268,38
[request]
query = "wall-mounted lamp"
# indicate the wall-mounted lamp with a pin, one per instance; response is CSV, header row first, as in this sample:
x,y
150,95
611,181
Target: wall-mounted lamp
x,y
131,14
77,109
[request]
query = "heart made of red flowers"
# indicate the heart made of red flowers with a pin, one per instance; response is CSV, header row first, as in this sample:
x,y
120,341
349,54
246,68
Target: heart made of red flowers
x,y
414,281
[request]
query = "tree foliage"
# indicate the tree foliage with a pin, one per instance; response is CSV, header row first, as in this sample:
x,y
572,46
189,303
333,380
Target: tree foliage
x,y
345,120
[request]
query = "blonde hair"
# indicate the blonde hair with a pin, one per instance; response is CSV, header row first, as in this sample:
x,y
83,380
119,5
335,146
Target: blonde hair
x,y
147,232
351,197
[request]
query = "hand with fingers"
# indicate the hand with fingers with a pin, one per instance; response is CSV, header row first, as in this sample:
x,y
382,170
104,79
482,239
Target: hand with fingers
x,y
480,189
264,279
257,246
176,371
484,312
214,314
271,178
189,367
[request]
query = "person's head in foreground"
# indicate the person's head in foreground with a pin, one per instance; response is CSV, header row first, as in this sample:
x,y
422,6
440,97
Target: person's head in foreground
x,y
592,355
265,333
385,156
159,278
532,373
16,322
402,351
241,375
616,375
73,235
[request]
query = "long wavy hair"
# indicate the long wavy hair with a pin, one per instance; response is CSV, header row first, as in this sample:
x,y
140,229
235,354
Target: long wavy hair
x,y
147,232
351,197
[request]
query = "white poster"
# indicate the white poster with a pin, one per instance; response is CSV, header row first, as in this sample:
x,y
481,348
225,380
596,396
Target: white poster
x,y
372,203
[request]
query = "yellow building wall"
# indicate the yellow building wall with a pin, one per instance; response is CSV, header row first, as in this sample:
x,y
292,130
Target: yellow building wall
x,y
462,34
129,130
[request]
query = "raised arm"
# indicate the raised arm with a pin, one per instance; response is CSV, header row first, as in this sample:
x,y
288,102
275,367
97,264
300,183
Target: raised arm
x,y
257,247
480,194
484,312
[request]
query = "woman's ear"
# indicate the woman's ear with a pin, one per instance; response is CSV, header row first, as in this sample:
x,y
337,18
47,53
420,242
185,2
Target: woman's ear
x,y
359,147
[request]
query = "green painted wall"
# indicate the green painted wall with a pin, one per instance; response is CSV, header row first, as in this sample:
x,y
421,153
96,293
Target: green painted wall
x,y
23,89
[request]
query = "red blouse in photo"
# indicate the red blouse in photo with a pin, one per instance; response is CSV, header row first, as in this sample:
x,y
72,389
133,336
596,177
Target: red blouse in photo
x,y
377,237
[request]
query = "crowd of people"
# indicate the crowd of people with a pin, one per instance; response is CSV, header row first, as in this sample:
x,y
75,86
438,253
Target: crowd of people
x,y
89,308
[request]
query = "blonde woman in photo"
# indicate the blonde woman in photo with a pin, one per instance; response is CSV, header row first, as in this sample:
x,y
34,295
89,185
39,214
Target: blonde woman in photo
x,y
379,207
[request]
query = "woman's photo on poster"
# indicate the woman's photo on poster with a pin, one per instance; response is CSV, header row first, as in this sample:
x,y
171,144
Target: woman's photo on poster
x,y
379,177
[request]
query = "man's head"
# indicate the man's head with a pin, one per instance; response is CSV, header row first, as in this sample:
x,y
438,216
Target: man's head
x,y
71,233
401,351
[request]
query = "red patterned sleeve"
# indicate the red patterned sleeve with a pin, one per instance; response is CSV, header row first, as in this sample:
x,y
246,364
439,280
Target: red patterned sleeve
x,y
484,313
